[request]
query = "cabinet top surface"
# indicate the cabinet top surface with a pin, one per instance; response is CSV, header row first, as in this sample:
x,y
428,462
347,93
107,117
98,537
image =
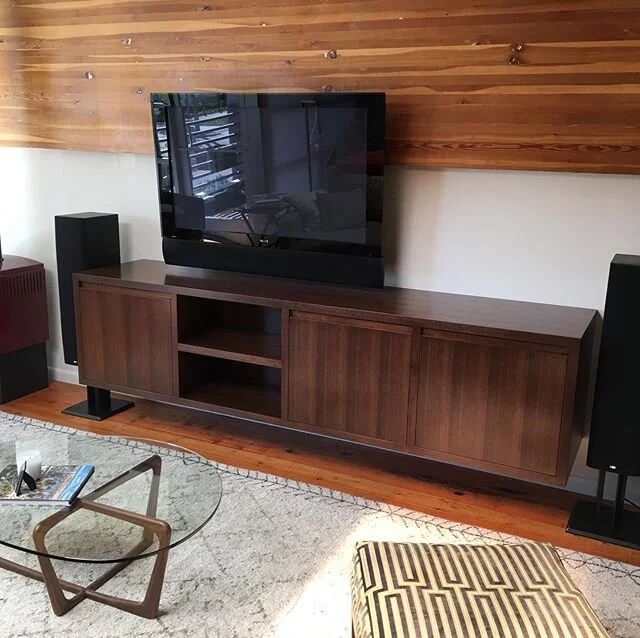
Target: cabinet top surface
x,y
399,305
12,264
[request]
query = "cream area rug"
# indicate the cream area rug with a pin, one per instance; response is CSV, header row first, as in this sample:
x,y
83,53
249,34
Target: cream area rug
x,y
274,562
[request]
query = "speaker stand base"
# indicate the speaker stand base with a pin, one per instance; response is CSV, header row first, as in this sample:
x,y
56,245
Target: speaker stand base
x,y
603,522
586,521
98,406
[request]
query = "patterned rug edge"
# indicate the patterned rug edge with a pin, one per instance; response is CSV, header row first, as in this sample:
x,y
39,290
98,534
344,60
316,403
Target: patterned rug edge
x,y
572,557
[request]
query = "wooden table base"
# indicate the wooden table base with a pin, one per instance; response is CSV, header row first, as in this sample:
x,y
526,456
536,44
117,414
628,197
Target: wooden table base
x,y
151,526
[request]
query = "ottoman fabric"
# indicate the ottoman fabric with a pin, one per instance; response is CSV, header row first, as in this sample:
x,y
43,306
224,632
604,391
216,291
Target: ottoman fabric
x,y
411,590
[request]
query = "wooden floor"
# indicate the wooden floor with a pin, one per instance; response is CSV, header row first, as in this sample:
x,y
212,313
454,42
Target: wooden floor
x,y
515,507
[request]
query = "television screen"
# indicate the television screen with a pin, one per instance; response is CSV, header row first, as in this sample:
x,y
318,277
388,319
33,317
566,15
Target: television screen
x,y
271,170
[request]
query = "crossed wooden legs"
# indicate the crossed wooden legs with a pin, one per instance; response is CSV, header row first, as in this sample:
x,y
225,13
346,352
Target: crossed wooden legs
x,y
151,527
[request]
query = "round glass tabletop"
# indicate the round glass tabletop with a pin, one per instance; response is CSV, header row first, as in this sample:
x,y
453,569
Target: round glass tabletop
x,y
143,497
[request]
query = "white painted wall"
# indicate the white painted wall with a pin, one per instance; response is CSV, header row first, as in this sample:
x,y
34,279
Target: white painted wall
x,y
39,184
533,236
546,237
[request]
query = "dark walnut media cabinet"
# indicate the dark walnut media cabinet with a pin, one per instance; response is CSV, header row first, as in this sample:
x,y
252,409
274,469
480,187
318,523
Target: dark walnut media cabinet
x,y
501,386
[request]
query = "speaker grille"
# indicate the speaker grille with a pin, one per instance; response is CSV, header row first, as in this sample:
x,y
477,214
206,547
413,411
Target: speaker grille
x,y
23,308
21,284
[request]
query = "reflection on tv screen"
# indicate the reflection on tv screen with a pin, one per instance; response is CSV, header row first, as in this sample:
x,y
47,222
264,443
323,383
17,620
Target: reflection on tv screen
x,y
255,165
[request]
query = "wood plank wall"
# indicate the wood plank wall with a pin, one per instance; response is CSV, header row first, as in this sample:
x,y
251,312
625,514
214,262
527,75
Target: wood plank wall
x,y
527,84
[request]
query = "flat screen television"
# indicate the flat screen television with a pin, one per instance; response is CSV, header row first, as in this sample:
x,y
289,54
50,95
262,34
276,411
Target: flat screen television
x,y
275,184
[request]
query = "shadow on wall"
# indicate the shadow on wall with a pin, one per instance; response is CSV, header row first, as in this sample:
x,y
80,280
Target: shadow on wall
x,y
398,199
140,236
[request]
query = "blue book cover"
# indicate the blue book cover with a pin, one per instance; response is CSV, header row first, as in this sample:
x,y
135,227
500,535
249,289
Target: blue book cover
x,y
58,485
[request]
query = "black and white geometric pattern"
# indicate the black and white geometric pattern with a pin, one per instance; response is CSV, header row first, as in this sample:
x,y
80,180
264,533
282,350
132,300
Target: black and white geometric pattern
x,y
420,590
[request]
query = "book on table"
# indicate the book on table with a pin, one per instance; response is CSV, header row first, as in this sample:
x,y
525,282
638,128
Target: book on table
x,y
58,485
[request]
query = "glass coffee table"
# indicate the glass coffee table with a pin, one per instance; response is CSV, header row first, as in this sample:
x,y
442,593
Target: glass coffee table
x,y
143,499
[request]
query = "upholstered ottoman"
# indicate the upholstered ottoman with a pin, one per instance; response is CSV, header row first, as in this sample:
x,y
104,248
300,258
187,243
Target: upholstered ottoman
x,y
409,590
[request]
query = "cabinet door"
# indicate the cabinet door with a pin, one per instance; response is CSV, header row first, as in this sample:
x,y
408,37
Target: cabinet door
x,y
349,375
124,338
493,400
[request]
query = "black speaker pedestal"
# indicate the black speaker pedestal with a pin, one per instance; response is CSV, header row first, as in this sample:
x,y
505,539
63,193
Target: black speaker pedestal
x,y
98,406
608,523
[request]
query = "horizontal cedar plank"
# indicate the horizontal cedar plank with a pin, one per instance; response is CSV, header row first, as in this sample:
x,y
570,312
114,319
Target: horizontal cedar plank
x,y
457,122
449,153
521,156
40,23
493,137
403,105
426,7
487,124
432,154
583,122
570,99
583,58
611,146
143,143
200,36
232,9
113,77
12,92
487,131
558,90
571,151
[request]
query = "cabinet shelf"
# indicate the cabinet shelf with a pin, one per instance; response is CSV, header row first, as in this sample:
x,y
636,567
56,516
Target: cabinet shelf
x,y
236,345
263,400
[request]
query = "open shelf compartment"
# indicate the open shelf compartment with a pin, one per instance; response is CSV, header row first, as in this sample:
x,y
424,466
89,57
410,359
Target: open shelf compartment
x,y
227,330
236,385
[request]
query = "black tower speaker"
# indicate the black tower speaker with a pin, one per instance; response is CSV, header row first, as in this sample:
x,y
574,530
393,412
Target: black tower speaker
x,y
614,443
85,241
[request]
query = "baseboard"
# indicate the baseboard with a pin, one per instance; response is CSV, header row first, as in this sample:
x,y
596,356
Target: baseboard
x,y
68,374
